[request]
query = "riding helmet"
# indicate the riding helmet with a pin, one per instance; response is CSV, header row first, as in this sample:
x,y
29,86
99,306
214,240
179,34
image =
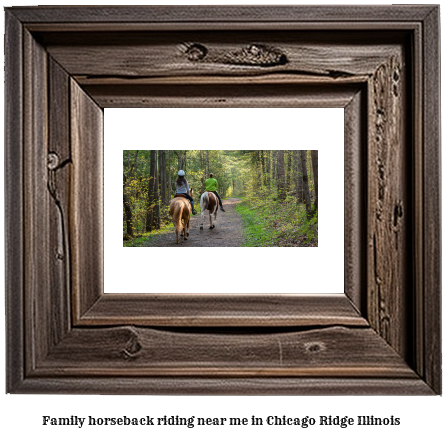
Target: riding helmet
x,y
181,173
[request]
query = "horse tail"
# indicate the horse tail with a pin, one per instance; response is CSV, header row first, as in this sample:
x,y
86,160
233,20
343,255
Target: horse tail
x,y
204,201
177,214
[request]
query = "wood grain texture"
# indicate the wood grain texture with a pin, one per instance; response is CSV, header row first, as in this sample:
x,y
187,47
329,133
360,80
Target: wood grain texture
x,y
431,317
388,204
160,54
227,14
86,208
234,310
129,351
38,305
222,96
74,61
289,386
59,181
14,239
417,246
355,192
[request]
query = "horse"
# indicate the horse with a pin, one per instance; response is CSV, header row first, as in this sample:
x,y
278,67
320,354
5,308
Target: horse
x,y
180,210
209,201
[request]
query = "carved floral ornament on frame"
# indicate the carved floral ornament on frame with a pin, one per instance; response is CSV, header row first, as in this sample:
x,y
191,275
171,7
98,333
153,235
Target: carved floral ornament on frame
x,y
65,66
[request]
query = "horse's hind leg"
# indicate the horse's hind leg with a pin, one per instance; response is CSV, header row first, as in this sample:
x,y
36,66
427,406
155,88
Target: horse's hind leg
x,y
211,226
186,229
203,217
183,224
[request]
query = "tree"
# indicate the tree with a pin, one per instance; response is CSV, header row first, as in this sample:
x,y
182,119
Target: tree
x,y
163,177
300,192
156,219
202,172
288,174
151,215
184,161
169,176
207,164
306,184
149,178
126,203
128,210
314,157
294,169
263,165
281,175
274,165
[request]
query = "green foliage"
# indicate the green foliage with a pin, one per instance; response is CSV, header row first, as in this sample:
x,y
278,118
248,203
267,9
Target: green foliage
x,y
251,174
269,222
231,169
141,239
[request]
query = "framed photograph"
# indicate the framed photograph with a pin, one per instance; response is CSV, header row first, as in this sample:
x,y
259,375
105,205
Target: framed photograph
x,y
376,332
275,221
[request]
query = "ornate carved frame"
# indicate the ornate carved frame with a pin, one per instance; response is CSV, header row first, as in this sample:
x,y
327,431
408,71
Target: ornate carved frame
x,y
64,65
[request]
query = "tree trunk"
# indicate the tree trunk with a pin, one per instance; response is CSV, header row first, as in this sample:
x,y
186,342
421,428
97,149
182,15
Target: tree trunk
x,y
207,164
314,156
180,160
274,166
151,219
184,161
288,173
221,183
128,211
294,169
268,168
169,177
156,223
281,175
306,184
263,166
300,192
163,177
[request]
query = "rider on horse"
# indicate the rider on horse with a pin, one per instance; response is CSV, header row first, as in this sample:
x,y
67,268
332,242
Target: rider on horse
x,y
182,188
211,185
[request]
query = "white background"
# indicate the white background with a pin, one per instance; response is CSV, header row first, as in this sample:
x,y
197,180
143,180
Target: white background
x,y
20,415
241,270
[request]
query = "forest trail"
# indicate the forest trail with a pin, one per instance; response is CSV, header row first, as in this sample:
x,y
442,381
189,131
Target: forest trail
x,y
227,231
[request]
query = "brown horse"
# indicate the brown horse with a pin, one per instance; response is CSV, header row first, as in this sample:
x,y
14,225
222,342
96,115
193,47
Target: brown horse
x,y
209,201
180,210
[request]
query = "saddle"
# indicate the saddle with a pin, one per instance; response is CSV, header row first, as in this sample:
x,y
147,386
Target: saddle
x,y
180,195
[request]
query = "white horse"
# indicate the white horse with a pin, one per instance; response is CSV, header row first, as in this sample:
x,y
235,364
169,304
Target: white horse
x,y
209,201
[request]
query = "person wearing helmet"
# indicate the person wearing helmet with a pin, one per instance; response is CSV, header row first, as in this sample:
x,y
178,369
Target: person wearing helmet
x,y
182,188
211,185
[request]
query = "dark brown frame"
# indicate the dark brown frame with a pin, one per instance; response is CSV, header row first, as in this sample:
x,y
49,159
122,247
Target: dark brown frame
x,y
64,65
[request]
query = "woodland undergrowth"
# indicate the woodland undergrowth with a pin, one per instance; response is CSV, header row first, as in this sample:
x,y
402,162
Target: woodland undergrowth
x,y
269,221
142,238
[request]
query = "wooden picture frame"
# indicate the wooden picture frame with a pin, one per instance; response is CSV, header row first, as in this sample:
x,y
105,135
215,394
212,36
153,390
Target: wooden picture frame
x,y
65,64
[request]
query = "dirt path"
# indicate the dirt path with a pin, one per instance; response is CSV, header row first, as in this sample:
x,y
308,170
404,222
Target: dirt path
x,y
227,231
